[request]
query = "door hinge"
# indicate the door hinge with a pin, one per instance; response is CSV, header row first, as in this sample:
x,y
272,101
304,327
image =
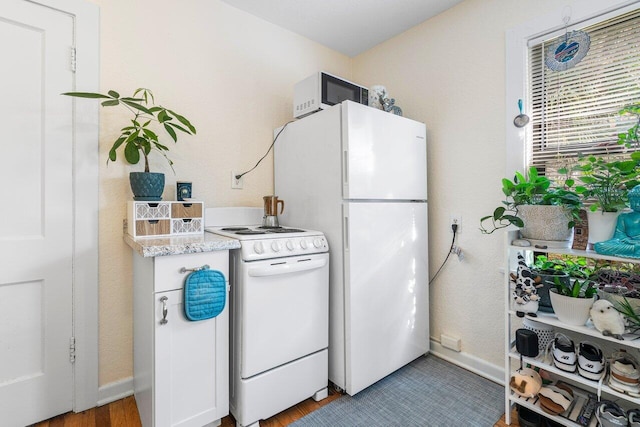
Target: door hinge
x,y
72,350
73,59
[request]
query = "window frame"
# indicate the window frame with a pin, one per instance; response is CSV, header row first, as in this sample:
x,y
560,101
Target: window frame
x,y
518,40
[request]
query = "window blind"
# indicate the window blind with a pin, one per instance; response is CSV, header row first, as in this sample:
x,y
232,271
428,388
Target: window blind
x,y
576,111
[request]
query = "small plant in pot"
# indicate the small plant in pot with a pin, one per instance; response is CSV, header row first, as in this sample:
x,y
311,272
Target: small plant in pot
x,y
541,209
563,268
138,139
572,303
606,183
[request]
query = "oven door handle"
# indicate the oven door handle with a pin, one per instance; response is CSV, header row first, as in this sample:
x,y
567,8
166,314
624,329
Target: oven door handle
x,y
275,269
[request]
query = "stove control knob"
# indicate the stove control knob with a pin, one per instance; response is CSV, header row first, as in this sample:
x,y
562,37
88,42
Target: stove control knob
x,y
289,245
303,244
275,246
258,248
317,243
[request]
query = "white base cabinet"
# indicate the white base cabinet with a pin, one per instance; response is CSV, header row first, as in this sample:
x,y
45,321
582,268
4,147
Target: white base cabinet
x,y
181,368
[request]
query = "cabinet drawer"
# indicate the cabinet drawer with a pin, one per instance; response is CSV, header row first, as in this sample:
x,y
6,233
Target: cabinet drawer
x,y
186,225
186,210
145,210
152,227
167,273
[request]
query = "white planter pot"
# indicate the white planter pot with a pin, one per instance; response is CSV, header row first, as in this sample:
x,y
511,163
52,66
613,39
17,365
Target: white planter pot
x,y
601,225
543,222
572,311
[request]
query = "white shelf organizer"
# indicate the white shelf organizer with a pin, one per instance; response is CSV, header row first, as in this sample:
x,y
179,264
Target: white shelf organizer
x,y
156,219
512,357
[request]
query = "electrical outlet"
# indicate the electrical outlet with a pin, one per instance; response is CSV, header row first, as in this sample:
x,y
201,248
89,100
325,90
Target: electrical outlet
x,y
451,342
456,219
236,182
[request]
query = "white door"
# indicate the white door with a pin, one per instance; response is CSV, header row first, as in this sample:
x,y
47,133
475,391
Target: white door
x,y
384,155
386,289
36,232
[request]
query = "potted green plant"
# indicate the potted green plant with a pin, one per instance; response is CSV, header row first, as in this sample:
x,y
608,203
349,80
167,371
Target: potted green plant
x,y
138,138
562,268
572,303
606,183
542,210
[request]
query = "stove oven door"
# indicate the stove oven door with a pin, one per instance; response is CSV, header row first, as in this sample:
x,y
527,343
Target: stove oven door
x,y
284,306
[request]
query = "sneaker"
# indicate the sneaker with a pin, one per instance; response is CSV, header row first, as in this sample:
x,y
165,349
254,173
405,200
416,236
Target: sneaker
x,y
564,353
634,417
555,400
590,361
624,374
609,414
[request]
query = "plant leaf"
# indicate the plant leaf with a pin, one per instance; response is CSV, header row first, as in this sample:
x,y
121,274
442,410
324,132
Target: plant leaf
x,y
110,103
132,153
177,126
113,94
171,132
150,134
86,95
163,116
184,121
137,106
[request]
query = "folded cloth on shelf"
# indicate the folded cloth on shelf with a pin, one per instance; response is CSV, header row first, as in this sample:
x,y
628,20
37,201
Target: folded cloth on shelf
x,y
205,294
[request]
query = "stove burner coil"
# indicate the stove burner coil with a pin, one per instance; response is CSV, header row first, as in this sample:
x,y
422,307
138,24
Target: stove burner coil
x,y
285,230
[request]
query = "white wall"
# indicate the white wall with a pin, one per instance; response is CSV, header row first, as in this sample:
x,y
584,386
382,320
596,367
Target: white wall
x,y
449,72
232,75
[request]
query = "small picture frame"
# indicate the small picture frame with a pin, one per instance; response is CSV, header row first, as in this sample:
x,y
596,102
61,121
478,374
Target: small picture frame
x,y
581,232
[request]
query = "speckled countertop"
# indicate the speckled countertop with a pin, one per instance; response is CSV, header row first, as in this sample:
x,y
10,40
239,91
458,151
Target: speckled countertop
x,y
177,245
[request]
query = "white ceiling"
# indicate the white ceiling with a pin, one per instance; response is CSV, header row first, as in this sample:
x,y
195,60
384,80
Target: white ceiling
x,y
347,26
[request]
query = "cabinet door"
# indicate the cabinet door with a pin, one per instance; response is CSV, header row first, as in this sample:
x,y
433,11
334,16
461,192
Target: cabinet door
x,y
191,365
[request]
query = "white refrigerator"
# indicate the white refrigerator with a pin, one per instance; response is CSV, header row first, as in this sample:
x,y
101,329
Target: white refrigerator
x,y
360,176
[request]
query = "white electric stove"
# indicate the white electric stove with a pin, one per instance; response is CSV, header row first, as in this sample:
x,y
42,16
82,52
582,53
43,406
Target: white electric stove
x,y
279,314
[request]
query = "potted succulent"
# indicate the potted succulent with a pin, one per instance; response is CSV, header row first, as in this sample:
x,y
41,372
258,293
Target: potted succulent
x,y
572,303
542,210
138,139
606,183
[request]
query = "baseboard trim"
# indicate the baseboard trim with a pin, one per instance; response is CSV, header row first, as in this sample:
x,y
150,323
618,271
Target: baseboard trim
x,y
115,391
123,388
469,362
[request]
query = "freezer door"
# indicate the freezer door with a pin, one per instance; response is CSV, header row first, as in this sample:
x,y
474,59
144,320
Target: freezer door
x,y
384,156
386,289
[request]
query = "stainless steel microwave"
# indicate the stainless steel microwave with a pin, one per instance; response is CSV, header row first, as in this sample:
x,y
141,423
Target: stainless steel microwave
x,y
322,90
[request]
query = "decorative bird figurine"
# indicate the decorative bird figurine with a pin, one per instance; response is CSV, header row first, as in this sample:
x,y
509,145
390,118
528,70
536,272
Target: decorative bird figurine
x,y
607,319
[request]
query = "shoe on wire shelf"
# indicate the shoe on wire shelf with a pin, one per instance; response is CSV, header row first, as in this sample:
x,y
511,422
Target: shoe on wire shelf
x,y
564,353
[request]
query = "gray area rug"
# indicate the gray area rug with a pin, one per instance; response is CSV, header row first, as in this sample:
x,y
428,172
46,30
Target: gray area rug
x,y
427,392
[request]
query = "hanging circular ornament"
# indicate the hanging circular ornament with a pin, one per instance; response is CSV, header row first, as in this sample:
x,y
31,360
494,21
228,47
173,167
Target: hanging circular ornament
x,y
568,51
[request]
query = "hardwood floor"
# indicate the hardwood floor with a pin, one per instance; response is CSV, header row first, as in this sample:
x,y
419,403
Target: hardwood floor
x,y
124,413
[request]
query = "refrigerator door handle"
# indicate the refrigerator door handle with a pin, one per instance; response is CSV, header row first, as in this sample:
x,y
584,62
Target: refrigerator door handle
x,y
345,173
346,233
